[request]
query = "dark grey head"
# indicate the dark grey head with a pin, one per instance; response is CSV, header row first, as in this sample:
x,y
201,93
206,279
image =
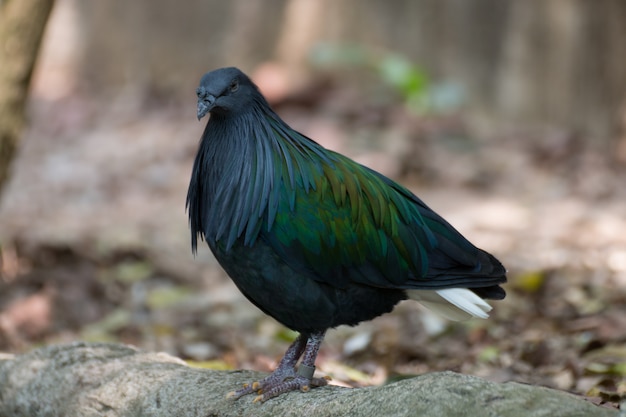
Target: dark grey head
x,y
225,91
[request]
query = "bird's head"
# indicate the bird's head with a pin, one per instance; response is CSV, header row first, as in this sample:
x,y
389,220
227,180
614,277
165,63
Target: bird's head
x,y
225,91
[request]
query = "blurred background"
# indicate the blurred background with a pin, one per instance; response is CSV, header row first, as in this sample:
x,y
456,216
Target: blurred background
x,y
507,117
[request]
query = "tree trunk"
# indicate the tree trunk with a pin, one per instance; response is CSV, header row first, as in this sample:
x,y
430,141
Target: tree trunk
x,y
22,24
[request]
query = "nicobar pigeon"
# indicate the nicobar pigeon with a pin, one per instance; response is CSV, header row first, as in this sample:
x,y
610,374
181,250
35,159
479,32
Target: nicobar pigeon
x,y
313,238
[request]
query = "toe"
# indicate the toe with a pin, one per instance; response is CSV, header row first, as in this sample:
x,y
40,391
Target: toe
x,y
247,389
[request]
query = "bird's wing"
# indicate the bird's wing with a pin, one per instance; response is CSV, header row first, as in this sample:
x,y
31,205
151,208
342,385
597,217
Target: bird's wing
x,y
355,225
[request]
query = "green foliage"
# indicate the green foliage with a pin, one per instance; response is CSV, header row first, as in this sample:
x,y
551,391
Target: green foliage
x,y
104,330
286,335
489,354
529,281
164,297
129,272
215,365
407,79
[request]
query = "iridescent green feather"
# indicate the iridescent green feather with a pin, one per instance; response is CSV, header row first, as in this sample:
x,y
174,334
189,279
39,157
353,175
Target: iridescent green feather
x,y
336,218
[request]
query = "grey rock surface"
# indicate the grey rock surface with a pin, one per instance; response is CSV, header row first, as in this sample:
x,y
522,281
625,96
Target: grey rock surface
x,y
96,379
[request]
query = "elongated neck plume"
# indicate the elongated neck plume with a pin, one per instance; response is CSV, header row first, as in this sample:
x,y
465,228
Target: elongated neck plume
x,y
242,161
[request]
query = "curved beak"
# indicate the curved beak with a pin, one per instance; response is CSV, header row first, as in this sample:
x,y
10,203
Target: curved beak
x,y
205,105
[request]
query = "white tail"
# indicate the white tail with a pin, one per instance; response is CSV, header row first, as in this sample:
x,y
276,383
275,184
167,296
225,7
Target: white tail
x,y
452,303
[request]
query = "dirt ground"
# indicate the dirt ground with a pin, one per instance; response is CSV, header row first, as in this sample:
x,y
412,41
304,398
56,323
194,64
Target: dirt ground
x,y
95,245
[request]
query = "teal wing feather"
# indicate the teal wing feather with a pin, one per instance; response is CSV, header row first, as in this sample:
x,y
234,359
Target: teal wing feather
x,y
341,222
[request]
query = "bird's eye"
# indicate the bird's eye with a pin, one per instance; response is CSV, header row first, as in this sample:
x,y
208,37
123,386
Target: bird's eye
x,y
200,92
234,85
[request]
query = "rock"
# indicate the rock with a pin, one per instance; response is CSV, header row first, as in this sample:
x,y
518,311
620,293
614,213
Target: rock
x,y
97,379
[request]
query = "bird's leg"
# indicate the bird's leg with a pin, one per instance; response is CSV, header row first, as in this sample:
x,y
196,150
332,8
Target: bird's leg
x,y
286,369
303,378
285,378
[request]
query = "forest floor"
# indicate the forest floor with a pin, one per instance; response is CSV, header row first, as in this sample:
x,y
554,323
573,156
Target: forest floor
x,y
95,246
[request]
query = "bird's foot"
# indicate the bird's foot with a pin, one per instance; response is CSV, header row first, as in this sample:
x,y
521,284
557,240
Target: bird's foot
x,y
280,382
298,383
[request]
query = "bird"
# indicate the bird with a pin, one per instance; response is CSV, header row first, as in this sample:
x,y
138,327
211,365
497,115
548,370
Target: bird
x,y
314,239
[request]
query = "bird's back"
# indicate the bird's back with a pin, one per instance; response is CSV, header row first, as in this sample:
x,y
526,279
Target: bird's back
x,y
365,228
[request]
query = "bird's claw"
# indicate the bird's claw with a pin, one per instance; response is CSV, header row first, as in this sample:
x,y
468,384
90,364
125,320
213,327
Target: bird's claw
x,y
273,387
298,383
245,390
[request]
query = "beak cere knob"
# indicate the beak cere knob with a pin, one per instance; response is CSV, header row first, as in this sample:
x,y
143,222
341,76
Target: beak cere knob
x,y
205,104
